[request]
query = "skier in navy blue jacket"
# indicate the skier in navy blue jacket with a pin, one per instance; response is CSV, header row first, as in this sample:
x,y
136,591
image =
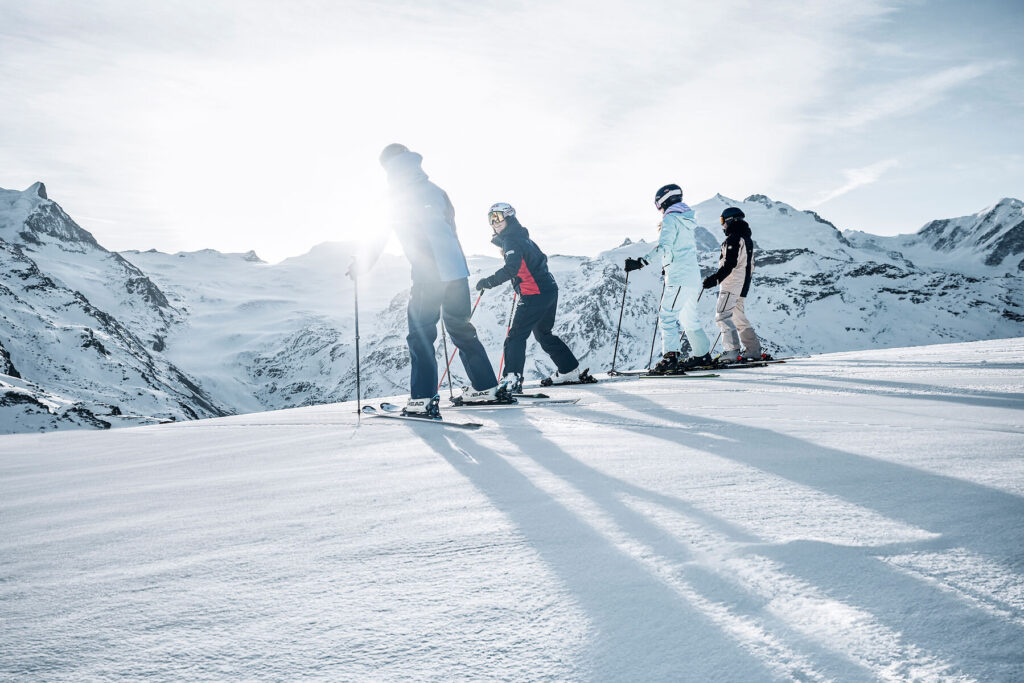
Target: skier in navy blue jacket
x,y
527,267
424,221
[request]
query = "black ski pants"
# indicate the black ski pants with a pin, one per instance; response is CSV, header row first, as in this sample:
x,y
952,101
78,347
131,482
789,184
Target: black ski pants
x,y
536,313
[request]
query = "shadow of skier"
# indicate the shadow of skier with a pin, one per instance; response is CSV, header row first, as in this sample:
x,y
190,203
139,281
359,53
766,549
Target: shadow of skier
x,y
984,520
641,629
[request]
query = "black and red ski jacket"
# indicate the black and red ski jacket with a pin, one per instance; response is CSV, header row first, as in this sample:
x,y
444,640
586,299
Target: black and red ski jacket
x,y
525,264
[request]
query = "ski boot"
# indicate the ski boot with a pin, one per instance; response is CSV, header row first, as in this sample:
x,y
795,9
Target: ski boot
x,y
575,376
497,394
728,358
668,364
515,382
425,408
695,362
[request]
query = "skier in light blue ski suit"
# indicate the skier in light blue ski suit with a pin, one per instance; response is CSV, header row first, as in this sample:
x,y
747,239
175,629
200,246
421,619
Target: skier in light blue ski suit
x,y
683,283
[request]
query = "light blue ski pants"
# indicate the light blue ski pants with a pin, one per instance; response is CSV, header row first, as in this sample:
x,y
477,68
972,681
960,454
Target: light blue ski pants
x,y
678,313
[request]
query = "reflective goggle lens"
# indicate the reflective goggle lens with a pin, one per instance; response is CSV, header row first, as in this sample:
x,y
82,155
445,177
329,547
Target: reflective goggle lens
x,y
495,217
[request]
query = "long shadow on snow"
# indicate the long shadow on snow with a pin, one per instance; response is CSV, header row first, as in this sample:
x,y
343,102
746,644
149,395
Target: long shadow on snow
x,y
605,490
641,628
983,399
897,491
950,364
876,586
978,643
981,519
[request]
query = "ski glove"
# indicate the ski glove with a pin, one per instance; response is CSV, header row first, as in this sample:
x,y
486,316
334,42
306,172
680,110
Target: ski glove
x,y
484,283
635,264
710,281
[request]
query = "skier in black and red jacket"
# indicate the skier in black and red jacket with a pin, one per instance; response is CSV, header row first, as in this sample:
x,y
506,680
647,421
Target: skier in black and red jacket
x,y
527,267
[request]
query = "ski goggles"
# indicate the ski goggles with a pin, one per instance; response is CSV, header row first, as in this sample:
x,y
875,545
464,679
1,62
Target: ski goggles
x,y
495,217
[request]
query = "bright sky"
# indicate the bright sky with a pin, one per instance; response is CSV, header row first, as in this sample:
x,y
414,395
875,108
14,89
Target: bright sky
x,y
190,124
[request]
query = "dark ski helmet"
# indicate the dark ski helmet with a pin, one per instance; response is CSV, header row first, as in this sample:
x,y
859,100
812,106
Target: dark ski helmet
x,y
667,196
731,214
392,150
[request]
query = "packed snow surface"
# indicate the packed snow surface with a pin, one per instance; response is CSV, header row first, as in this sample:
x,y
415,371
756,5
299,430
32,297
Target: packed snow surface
x,y
856,516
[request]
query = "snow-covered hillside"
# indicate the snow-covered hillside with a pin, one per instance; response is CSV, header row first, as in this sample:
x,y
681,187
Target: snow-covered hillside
x,y
205,333
850,517
990,241
81,329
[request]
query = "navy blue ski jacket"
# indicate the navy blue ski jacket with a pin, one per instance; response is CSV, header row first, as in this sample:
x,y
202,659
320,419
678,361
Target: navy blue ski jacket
x,y
525,264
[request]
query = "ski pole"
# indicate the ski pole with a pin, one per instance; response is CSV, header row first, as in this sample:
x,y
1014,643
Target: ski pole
x,y
651,358
622,307
507,329
444,338
720,331
452,357
716,342
355,289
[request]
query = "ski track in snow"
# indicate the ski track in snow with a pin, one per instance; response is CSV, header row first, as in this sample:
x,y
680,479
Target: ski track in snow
x,y
852,517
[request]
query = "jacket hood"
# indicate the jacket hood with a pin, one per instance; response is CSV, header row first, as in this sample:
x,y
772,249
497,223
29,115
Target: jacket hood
x,y
678,207
405,168
513,229
737,227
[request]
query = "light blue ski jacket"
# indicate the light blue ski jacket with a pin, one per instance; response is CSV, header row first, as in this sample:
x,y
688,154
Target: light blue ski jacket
x,y
677,247
424,221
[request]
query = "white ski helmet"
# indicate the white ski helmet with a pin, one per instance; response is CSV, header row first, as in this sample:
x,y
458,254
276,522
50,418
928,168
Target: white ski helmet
x,y
499,212
505,209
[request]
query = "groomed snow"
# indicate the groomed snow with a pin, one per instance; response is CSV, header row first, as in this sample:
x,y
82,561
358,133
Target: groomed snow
x,y
857,516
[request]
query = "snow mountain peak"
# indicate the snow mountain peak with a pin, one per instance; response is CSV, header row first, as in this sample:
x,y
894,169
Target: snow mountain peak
x,y
37,189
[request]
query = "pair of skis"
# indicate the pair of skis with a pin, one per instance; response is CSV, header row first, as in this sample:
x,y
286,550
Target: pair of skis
x,y
392,412
717,368
647,373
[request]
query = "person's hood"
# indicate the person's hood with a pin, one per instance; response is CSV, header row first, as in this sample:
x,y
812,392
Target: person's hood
x,y
512,229
678,207
405,168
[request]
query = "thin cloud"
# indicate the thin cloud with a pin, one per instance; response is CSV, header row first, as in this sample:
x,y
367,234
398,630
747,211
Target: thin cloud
x,y
856,178
910,95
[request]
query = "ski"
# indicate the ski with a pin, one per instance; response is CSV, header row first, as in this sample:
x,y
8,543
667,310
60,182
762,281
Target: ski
x,y
531,396
678,375
530,403
751,364
393,412
628,373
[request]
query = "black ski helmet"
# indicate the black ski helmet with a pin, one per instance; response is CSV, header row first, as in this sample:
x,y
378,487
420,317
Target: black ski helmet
x,y
732,213
667,196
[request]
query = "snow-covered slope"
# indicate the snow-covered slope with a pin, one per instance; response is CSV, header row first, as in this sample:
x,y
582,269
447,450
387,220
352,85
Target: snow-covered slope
x,y
850,517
